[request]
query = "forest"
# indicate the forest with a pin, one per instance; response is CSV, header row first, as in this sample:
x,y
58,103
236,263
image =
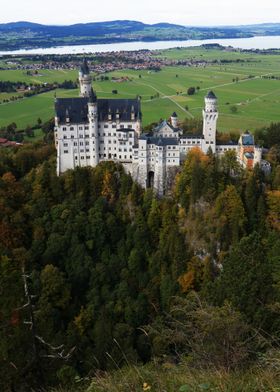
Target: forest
x,y
96,272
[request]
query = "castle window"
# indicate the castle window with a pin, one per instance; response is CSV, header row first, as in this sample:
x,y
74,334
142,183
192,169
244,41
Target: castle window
x,y
82,157
75,143
82,150
87,136
72,136
76,158
81,136
87,150
81,143
80,128
86,127
64,137
64,128
114,126
129,126
71,128
87,143
105,125
65,151
88,157
130,156
65,144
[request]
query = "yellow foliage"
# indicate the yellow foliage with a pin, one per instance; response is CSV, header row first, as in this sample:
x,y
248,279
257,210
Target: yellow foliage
x,y
106,185
82,321
186,281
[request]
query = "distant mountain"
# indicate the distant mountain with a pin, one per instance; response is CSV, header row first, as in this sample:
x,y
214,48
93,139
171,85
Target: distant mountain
x,y
25,35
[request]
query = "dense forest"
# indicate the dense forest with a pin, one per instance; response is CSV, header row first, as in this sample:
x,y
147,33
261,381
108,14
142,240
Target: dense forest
x,y
96,273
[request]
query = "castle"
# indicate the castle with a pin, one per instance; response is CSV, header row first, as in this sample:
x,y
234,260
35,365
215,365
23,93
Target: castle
x,y
89,130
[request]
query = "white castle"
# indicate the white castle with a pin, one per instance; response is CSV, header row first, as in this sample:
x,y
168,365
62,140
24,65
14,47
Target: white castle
x,y
89,130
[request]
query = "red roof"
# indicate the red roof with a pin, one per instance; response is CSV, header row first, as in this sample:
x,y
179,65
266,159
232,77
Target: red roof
x,y
2,140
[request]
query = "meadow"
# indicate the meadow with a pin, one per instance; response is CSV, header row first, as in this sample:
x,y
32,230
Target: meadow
x,y
257,99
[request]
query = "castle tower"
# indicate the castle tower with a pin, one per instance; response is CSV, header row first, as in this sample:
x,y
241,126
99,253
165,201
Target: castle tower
x,y
85,80
93,128
174,120
210,117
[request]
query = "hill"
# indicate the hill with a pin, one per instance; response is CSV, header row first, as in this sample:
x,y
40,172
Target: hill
x,y
23,35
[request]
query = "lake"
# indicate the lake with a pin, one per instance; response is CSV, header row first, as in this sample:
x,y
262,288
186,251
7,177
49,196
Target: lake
x,y
266,42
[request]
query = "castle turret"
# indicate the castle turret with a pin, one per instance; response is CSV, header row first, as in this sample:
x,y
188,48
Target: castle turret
x,y
174,120
93,128
210,117
85,80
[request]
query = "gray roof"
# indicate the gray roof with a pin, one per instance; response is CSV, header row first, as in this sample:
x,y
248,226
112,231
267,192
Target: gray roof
x,y
192,137
123,107
160,141
226,143
163,124
247,139
77,109
211,95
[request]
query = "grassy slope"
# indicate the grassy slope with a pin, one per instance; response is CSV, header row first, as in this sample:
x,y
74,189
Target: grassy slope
x,y
258,100
181,378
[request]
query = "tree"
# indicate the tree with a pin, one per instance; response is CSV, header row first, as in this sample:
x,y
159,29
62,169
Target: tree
x,y
230,217
191,91
233,109
273,202
246,281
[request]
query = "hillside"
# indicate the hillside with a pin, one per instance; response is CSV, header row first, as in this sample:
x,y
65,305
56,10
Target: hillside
x,y
97,273
22,35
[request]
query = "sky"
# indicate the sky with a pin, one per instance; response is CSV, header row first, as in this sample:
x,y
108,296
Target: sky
x,y
184,12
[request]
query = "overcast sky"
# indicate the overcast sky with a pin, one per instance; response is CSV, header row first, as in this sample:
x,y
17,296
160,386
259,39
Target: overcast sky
x,y
185,12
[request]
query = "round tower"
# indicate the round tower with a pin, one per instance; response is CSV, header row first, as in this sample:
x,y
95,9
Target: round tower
x,y
85,80
210,117
93,128
174,120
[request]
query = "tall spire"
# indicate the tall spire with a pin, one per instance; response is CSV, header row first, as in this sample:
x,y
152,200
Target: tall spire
x,y
84,67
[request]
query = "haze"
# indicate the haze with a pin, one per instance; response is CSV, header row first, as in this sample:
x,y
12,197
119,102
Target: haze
x,y
196,12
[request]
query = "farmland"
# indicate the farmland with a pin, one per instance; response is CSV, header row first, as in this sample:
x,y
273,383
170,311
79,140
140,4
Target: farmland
x,y
240,84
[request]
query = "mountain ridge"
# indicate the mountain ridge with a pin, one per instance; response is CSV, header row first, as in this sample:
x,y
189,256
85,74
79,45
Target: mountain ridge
x,y
29,35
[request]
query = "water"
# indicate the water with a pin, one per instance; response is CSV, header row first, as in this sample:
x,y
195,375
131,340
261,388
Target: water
x,y
266,42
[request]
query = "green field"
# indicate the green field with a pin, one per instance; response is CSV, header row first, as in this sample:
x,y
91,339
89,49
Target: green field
x,y
257,99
